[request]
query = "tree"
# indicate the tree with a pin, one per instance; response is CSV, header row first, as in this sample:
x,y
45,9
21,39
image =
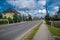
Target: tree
x,y
47,17
55,17
10,20
0,16
23,18
19,18
15,17
4,17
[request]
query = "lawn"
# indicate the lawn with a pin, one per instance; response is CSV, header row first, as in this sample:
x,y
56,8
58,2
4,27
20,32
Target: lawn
x,y
55,31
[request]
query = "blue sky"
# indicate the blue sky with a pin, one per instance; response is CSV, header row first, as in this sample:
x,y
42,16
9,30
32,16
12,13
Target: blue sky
x,y
33,7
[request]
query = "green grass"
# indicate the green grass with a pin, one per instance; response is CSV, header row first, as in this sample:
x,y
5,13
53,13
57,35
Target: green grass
x,y
32,33
55,31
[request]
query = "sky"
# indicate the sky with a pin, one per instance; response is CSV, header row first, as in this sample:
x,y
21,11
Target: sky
x,y
33,7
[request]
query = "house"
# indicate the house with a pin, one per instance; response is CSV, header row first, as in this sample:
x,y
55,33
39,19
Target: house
x,y
9,13
30,17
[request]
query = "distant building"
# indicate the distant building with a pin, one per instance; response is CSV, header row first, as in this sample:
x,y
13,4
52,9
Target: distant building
x,y
30,17
9,13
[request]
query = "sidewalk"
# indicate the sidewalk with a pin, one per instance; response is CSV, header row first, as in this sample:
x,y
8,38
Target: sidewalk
x,y
43,33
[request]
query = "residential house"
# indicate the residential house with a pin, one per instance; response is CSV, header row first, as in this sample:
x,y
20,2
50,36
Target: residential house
x,y
9,13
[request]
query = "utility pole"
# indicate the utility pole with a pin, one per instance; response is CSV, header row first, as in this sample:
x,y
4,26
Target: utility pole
x,y
46,8
47,14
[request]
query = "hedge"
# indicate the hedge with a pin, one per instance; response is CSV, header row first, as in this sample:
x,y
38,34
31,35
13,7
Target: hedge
x,y
3,21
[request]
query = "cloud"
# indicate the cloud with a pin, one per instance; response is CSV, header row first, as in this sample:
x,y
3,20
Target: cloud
x,y
56,8
53,6
53,3
42,11
27,3
54,11
23,3
32,5
42,2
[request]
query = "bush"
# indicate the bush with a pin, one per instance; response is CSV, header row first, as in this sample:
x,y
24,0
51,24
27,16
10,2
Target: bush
x,y
3,21
47,22
10,20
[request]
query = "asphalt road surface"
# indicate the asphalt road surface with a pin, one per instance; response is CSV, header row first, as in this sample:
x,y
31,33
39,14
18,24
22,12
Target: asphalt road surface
x,y
12,32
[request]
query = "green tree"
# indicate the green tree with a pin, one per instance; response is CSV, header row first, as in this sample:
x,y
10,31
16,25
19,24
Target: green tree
x,y
4,17
24,18
10,20
0,16
47,17
15,17
19,18
55,17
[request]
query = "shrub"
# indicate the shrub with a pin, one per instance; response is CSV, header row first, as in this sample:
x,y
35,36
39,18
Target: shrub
x,y
10,20
3,21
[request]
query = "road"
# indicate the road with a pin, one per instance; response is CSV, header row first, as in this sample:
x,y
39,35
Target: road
x,y
12,32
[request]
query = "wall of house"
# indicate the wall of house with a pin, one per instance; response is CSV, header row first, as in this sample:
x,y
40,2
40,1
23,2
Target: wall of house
x,y
7,15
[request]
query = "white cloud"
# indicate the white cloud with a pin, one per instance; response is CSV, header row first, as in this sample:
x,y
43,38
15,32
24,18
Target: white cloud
x,y
42,11
30,4
39,11
54,11
56,8
27,3
42,2
23,3
11,2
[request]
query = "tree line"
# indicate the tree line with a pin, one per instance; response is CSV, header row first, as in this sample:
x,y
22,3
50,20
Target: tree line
x,y
55,17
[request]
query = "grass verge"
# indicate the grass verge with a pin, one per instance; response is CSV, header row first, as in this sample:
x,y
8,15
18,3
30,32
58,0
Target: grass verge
x,y
31,34
55,31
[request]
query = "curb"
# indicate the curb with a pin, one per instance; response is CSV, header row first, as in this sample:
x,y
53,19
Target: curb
x,y
25,34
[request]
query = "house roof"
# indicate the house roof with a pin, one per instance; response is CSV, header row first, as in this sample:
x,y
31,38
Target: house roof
x,y
11,10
